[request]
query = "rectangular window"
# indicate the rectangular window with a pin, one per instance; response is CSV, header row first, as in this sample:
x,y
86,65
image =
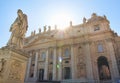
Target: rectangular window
x,y
67,52
100,48
43,56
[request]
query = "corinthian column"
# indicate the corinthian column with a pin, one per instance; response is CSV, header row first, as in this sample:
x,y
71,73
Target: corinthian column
x,y
54,64
60,64
72,62
114,72
46,66
88,62
28,67
35,68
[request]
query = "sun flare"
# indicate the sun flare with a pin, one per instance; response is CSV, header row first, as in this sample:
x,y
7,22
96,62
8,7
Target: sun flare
x,y
61,20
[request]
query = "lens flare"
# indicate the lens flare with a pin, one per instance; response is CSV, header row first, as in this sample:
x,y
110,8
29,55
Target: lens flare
x,y
61,20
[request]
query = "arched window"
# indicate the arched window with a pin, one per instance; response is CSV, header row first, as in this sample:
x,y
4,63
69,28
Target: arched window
x,y
67,52
100,48
43,55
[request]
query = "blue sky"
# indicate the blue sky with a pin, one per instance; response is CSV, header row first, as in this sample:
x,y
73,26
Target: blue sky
x,y
42,12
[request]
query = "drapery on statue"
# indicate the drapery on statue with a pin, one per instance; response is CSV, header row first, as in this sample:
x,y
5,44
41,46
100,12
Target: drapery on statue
x,y
18,29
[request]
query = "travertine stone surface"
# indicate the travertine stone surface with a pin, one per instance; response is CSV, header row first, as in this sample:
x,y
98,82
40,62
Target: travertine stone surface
x,y
12,65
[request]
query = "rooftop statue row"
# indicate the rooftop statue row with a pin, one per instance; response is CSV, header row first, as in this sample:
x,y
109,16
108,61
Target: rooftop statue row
x,y
94,18
44,28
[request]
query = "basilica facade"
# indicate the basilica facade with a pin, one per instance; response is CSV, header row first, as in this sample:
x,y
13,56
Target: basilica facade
x,y
87,51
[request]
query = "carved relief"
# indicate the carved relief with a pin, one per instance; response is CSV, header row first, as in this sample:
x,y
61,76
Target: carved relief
x,y
81,66
2,66
16,71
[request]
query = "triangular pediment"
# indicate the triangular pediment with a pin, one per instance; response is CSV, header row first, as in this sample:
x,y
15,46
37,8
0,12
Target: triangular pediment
x,y
39,40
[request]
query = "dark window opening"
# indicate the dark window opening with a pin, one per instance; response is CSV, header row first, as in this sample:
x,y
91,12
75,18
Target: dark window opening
x,y
33,64
66,61
96,28
51,62
31,75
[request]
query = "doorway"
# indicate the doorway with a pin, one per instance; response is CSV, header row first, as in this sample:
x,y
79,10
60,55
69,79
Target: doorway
x,y
41,74
50,76
67,73
103,68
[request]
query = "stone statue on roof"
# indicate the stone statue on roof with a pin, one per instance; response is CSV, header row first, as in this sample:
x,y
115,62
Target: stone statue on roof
x,y
39,30
84,20
49,28
45,28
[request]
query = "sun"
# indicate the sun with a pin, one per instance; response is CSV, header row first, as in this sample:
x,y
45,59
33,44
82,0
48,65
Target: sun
x,y
61,20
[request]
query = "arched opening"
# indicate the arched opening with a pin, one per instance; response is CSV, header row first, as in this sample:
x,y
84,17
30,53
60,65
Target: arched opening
x,y
103,68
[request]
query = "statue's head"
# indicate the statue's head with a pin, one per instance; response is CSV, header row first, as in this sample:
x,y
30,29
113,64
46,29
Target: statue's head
x,y
19,12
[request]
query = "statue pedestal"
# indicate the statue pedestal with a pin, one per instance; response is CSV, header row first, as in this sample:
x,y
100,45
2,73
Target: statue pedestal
x,y
12,65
